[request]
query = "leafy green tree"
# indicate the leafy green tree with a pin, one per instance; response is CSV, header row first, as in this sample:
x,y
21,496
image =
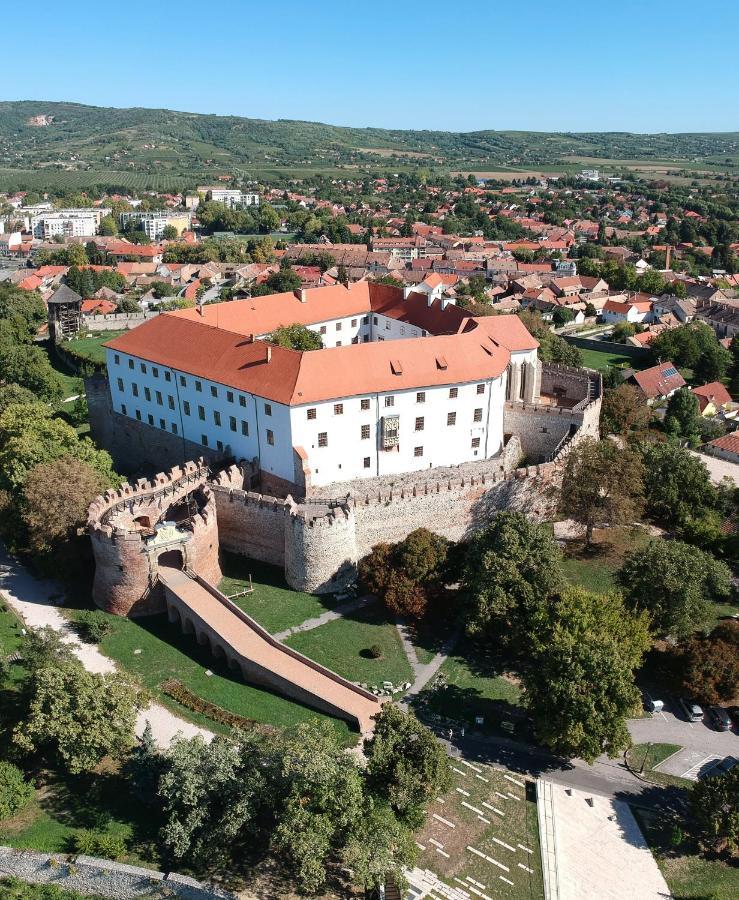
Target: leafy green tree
x,y
406,765
108,226
512,567
23,310
602,484
675,583
562,315
12,394
713,812
580,685
622,331
683,417
170,233
79,716
380,848
677,485
42,647
15,791
30,436
296,337
30,368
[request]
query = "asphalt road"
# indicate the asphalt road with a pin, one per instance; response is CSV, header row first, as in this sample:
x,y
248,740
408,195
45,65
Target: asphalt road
x,y
671,727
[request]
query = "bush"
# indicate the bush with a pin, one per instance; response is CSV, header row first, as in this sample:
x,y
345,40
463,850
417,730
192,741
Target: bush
x,y
93,843
15,791
375,651
92,625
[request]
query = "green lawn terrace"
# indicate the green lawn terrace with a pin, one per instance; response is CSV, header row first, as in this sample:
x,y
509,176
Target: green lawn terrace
x,y
481,839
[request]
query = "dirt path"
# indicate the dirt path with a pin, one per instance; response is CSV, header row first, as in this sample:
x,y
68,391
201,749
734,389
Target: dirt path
x,y
37,602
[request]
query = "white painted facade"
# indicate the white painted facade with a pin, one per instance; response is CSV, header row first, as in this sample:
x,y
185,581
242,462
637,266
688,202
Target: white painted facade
x,y
67,223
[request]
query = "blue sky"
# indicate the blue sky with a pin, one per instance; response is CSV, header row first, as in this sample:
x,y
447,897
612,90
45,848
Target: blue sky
x,y
550,65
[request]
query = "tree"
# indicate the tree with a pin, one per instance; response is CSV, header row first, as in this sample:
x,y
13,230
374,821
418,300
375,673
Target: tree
x,y
56,497
406,765
80,716
580,686
30,436
170,233
675,583
211,795
622,331
713,812
30,368
283,281
683,417
380,848
562,315
296,337
624,411
108,226
710,664
602,484
677,485
15,791
511,568
11,394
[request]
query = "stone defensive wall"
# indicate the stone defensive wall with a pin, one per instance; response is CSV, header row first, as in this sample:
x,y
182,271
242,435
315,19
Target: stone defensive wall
x,y
168,520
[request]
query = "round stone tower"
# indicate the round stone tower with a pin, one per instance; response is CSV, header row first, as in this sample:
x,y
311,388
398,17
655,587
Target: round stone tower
x,y
320,547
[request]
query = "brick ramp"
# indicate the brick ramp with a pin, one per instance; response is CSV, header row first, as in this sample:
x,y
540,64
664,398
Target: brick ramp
x,y
261,658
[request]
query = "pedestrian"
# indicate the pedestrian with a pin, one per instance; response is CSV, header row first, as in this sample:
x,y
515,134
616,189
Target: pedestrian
x,y
451,734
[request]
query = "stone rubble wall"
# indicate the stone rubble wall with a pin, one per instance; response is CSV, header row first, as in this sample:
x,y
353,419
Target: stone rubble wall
x,y
102,877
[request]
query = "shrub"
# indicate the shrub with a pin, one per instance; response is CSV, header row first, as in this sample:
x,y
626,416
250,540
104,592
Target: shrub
x,y
15,791
93,843
92,625
375,651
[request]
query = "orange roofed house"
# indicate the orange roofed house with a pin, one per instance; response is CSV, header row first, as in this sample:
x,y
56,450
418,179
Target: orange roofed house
x,y
403,384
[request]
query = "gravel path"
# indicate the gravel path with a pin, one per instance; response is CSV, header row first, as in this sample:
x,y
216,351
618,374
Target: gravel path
x,y
338,612
37,602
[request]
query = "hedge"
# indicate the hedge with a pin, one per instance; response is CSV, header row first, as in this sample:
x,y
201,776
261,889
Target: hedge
x,y
177,691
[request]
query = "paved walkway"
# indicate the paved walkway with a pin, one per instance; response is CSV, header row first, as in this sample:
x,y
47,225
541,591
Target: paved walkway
x,y
599,848
338,612
424,672
37,602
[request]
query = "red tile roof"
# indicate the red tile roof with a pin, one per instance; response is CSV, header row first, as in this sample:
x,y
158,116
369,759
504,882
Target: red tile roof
x,y
713,392
728,442
659,381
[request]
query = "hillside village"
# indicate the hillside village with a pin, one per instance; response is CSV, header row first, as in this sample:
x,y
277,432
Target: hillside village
x,y
431,470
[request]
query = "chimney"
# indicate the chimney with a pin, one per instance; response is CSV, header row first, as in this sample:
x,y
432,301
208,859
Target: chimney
x,y
269,353
302,295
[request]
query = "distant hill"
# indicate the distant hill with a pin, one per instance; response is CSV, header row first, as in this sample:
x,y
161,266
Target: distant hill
x,y
40,134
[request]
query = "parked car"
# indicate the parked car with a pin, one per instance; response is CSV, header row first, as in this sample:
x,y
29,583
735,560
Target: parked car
x,y
733,712
719,718
693,712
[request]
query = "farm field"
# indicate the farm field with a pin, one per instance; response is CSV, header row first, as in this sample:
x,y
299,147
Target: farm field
x,y
482,836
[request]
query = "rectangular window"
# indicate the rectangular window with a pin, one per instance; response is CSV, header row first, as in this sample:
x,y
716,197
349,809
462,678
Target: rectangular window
x,y
244,428
167,375
213,391
365,432
367,462
160,401
270,438
138,414
364,404
421,397
480,388
232,423
338,343
475,442
147,393
183,381
143,368
453,392
230,396
451,418
419,423
418,451
311,413
216,417
204,440
268,409
130,364
338,409
170,401
354,323
374,319
135,389
365,320
390,401
355,340
323,329
387,326
477,416
198,386
201,413
123,408
174,428
402,329
186,407
117,359
151,419
338,326
155,371
120,384
323,439
365,339
242,400
162,424
219,444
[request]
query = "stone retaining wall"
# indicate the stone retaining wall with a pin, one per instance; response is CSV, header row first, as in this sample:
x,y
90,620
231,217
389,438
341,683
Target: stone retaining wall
x,y
103,877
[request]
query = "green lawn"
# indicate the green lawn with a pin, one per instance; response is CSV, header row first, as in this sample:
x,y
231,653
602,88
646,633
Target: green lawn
x,y
605,359
167,653
472,689
594,569
644,757
689,876
91,345
273,604
342,644
70,382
